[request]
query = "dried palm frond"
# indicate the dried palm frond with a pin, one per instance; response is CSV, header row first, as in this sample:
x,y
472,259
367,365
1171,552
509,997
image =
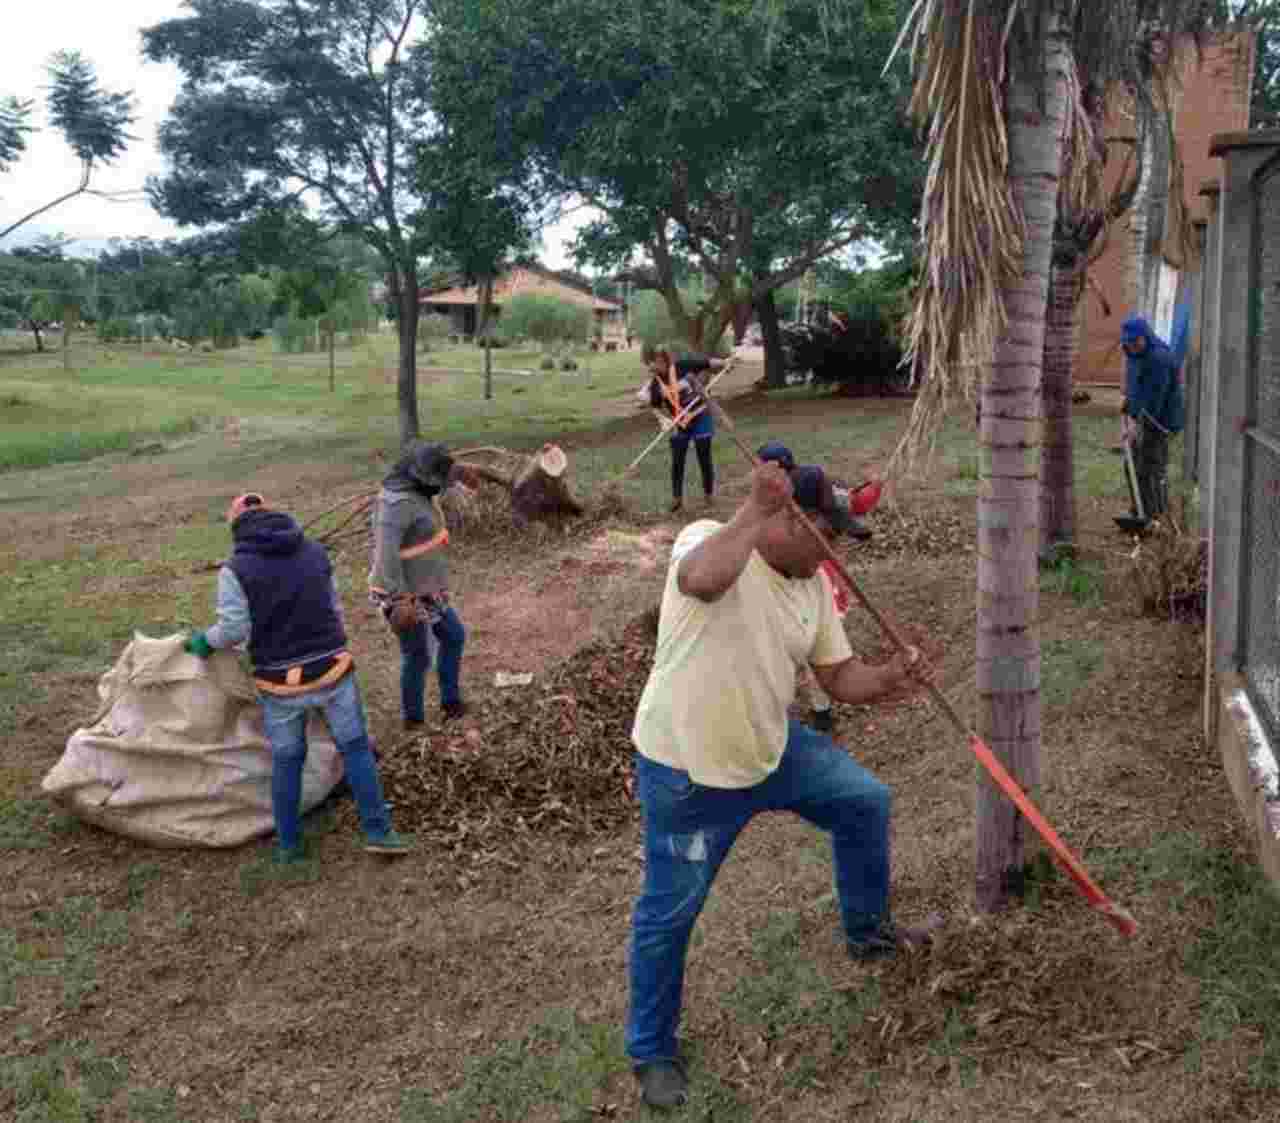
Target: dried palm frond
x,y
971,227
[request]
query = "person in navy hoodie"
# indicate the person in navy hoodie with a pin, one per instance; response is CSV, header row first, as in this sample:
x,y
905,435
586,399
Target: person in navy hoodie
x,y
1153,408
277,592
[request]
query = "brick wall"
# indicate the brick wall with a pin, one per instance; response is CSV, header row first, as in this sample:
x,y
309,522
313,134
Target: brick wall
x,y
1213,98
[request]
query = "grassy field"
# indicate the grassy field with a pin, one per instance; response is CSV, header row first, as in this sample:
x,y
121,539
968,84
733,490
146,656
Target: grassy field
x,y
116,399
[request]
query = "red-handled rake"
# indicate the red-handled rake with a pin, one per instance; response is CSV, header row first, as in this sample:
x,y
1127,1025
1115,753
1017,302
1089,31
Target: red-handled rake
x,y
1118,916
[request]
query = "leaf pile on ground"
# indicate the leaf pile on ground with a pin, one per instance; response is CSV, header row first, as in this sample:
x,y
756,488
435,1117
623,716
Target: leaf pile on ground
x,y
931,533
554,759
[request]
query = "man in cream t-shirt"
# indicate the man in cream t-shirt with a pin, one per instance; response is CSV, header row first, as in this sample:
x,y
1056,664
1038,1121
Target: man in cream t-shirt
x,y
743,606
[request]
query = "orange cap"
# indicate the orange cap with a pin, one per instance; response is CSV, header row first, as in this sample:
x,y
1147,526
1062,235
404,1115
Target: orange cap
x,y
242,503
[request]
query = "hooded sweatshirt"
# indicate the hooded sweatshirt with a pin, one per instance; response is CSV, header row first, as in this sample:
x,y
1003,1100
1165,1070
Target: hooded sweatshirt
x,y
277,591
409,535
1153,388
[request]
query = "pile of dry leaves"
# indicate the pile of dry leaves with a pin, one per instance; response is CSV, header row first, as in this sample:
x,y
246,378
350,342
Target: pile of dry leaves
x,y
553,757
932,533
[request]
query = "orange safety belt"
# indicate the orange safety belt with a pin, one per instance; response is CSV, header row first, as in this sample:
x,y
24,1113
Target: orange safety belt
x,y
435,542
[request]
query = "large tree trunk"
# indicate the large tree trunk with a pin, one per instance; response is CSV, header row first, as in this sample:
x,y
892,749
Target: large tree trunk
x,y
1057,484
775,363
405,291
1008,647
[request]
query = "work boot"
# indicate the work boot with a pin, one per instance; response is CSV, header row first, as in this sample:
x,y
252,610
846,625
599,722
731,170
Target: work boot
x,y
454,710
411,725
676,504
823,720
663,1084
891,939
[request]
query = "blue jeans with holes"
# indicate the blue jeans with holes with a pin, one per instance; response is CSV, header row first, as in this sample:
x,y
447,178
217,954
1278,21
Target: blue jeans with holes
x,y
285,719
688,832
415,659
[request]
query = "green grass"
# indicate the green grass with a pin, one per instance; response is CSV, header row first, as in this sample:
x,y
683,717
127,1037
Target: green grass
x,y
786,994
1232,940
262,872
1066,665
1080,580
559,1064
72,1083
30,824
112,399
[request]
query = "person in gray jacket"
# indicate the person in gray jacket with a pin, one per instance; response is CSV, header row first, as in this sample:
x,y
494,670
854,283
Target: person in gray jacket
x,y
409,579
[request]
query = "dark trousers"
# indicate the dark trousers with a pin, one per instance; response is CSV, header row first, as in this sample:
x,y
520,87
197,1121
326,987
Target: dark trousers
x,y
1151,464
680,452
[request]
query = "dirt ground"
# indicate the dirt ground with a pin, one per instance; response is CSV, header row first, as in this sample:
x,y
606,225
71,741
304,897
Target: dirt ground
x,y
332,997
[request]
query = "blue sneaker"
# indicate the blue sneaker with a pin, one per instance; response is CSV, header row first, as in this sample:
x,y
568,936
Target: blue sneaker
x,y
288,855
391,844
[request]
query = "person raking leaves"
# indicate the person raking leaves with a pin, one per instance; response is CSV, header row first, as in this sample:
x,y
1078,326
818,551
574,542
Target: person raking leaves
x,y
742,606
277,592
675,398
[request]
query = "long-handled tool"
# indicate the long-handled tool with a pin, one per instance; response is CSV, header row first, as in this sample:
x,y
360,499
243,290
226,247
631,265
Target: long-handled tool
x,y
690,411
1129,522
1117,915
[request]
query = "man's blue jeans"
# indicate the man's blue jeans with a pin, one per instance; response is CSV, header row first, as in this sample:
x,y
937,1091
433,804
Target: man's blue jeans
x,y
285,719
415,659
688,832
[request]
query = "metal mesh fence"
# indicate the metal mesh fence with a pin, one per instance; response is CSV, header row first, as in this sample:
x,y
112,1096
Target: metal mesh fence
x,y
1260,620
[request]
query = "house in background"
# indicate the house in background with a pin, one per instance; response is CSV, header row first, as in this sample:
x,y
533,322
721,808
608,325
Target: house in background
x,y
1134,275
462,304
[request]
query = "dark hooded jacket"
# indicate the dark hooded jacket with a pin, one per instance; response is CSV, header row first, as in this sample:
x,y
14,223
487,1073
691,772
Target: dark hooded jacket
x,y
288,582
1152,384
406,520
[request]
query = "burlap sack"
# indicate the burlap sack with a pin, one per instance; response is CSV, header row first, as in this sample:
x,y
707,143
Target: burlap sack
x,y
177,755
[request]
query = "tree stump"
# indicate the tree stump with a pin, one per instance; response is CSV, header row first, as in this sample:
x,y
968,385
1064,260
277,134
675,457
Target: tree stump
x,y
538,488
541,489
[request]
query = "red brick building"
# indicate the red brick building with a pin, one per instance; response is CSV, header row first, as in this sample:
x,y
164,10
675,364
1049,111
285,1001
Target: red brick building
x,y
1213,97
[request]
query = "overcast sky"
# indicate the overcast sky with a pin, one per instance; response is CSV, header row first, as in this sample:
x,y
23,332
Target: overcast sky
x,y
108,36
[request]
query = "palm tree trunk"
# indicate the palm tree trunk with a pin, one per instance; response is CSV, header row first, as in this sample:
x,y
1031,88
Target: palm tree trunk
x,y
1008,647
1057,490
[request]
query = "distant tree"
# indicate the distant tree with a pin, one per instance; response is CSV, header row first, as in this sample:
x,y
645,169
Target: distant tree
x,y
14,115
40,287
745,139
476,216
292,98
92,120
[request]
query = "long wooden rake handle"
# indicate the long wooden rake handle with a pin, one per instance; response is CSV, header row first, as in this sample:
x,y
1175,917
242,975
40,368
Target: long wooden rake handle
x,y
692,409
1118,916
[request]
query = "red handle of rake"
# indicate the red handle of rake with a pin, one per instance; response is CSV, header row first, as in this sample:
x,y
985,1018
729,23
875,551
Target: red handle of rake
x,y
1118,916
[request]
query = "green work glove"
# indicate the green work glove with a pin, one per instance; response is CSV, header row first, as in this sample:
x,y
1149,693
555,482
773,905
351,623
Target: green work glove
x,y
197,645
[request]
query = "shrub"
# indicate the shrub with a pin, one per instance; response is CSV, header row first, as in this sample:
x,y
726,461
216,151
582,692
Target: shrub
x,y
432,328
863,358
546,319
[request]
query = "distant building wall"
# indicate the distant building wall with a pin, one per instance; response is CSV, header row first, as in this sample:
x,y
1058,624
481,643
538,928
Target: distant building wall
x,y
1213,97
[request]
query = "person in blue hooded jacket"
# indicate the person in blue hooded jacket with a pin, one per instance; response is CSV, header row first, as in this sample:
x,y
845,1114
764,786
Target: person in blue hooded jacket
x,y
1153,409
276,594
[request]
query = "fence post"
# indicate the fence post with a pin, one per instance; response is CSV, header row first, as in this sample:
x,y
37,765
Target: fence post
x,y
1207,435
